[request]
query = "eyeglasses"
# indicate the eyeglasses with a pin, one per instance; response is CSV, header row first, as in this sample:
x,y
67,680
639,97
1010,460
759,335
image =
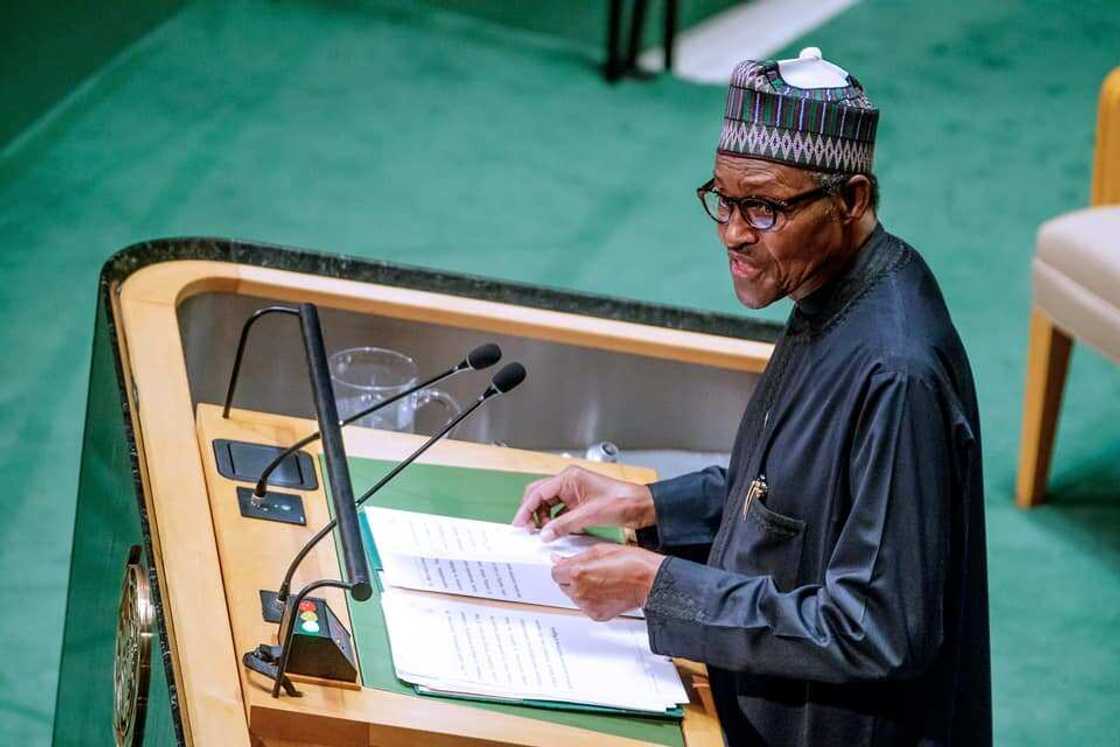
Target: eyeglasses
x,y
760,213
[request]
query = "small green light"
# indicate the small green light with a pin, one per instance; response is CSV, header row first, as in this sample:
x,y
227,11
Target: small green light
x,y
309,627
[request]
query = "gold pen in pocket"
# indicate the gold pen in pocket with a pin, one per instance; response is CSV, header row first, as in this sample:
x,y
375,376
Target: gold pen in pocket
x,y
757,490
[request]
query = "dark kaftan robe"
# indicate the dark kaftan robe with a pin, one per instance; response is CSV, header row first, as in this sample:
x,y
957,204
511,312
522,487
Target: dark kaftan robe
x,y
848,606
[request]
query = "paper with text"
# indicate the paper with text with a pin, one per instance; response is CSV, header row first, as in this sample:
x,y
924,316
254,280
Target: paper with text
x,y
458,646
469,557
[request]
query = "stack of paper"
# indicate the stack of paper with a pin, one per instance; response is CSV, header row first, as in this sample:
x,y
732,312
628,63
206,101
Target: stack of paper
x,y
465,648
518,652
473,558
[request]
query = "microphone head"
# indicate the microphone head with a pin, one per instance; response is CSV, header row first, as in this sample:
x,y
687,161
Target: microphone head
x,y
508,378
484,356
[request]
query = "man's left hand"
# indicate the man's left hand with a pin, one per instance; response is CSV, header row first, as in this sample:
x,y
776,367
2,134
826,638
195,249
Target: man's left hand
x,y
607,580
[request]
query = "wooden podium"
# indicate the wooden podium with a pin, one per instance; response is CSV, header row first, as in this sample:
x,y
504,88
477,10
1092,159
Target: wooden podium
x,y
165,574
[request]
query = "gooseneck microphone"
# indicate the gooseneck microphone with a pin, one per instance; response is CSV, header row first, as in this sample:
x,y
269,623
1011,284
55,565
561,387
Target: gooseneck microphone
x,y
481,357
507,379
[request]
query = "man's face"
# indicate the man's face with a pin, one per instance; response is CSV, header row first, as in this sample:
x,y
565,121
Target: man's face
x,y
768,265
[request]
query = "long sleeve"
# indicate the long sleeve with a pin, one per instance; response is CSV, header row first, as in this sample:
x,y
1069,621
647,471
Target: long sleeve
x,y
878,612
688,510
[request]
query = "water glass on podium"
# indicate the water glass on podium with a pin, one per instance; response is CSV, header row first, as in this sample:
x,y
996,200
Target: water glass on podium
x,y
365,376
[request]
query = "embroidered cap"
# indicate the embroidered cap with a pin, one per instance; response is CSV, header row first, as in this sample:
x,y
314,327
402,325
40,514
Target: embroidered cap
x,y
806,112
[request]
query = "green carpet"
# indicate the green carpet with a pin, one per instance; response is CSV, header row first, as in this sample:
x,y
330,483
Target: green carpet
x,y
443,139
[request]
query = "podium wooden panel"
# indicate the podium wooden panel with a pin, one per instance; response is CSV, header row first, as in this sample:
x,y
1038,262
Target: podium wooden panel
x,y
206,562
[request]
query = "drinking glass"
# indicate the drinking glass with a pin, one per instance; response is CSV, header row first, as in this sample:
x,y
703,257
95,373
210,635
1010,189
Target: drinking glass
x,y
365,376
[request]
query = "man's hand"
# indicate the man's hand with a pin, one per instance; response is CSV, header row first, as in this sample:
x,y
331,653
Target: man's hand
x,y
608,580
587,500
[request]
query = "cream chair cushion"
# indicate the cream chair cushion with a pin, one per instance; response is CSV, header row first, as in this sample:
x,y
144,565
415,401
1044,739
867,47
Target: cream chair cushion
x,y
1077,275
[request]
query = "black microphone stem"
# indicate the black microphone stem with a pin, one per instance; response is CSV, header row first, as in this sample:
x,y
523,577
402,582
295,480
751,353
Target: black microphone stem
x,y
245,328
262,481
285,587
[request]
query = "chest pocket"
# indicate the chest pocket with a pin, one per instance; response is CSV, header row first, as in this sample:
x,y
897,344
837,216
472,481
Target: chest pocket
x,y
766,543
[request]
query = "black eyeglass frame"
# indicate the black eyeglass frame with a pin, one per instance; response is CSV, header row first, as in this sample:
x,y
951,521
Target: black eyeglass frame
x,y
776,207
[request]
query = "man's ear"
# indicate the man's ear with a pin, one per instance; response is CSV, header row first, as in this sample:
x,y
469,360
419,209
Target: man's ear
x,y
856,197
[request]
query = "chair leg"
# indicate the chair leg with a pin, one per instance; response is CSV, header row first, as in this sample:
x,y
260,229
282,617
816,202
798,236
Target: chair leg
x,y
669,33
637,25
613,67
1047,364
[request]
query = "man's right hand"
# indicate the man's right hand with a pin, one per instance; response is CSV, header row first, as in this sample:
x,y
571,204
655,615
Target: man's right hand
x,y
587,499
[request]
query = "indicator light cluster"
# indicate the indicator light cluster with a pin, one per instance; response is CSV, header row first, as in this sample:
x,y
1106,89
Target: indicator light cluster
x,y
308,617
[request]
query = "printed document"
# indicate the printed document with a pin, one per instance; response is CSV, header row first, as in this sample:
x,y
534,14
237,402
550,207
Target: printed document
x,y
462,647
526,651
472,558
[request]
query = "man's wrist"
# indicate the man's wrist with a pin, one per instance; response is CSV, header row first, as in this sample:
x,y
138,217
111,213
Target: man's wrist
x,y
653,564
640,511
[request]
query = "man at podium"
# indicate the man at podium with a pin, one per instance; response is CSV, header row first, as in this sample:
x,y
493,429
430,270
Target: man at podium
x,y
833,577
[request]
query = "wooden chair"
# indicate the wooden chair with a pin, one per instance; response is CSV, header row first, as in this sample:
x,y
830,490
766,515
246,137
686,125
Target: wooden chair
x,y
1076,277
